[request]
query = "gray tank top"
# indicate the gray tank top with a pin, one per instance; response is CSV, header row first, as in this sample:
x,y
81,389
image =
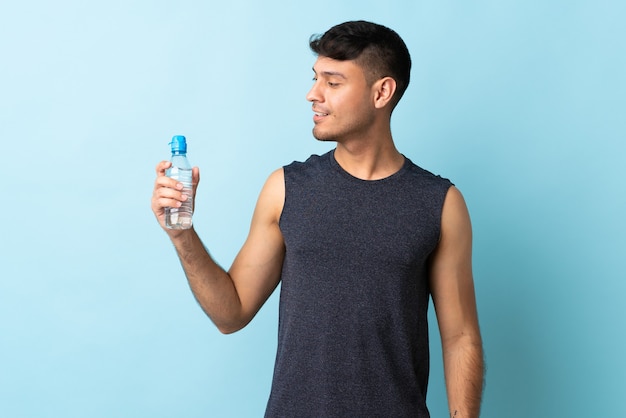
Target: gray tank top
x,y
353,331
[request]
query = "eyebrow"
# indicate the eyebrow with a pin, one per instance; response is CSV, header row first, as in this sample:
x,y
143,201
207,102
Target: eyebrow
x,y
330,73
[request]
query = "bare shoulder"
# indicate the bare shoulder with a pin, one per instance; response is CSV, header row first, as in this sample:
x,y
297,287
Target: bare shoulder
x,y
455,244
276,180
272,196
454,201
455,215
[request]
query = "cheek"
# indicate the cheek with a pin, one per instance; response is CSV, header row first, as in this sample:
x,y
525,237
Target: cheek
x,y
360,108
350,104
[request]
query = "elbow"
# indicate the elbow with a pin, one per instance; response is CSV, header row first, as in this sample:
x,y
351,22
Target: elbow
x,y
227,330
227,322
231,327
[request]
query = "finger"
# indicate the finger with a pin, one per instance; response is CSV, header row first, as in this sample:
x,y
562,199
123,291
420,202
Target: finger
x,y
169,193
159,204
195,179
195,175
167,182
166,198
162,167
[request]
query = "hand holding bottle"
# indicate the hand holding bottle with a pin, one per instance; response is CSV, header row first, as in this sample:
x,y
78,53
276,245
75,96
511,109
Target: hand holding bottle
x,y
174,188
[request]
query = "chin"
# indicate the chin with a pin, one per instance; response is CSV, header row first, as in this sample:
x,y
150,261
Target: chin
x,y
324,136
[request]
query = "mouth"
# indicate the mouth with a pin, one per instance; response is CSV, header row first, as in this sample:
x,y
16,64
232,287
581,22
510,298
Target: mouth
x,y
317,115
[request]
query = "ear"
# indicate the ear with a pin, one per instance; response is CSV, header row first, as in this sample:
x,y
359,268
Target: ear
x,y
384,90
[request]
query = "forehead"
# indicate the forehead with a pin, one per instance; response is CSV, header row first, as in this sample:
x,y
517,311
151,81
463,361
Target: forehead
x,y
325,66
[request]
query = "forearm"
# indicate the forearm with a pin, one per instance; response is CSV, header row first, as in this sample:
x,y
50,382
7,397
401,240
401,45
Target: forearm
x,y
464,372
211,285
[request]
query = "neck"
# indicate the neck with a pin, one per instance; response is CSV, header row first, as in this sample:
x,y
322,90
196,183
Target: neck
x,y
372,158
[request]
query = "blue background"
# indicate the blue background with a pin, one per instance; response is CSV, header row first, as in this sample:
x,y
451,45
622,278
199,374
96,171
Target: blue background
x,y
521,103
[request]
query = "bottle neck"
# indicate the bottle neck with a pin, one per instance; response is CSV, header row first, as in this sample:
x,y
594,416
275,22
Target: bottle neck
x,y
180,160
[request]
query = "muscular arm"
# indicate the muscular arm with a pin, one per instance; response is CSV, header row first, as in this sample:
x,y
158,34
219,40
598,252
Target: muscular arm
x,y
452,290
230,298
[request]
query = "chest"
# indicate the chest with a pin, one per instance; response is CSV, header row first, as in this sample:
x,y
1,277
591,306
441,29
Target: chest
x,y
369,225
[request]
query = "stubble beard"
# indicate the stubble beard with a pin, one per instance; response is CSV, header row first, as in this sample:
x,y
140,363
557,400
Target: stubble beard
x,y
355,128
322,136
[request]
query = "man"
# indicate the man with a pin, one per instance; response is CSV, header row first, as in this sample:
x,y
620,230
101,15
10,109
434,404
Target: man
x,y
359,238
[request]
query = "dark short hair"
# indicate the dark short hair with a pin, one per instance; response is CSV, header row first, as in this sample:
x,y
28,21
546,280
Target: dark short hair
x,y
377,49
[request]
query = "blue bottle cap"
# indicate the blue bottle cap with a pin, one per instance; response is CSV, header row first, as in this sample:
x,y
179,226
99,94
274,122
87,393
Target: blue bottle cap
x,y
179,144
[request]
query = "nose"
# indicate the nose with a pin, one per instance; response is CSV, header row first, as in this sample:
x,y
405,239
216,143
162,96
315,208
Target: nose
x,y
314,95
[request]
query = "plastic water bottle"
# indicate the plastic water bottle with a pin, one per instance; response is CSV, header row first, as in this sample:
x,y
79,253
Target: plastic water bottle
x,y
180,218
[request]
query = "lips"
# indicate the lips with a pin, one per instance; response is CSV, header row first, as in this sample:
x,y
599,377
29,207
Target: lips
x,y
319,114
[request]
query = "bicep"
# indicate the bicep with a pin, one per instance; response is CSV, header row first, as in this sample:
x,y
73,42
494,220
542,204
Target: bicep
x,y
257,268
451,279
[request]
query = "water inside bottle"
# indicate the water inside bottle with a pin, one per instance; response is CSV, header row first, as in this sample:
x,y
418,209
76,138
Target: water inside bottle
x,y
181,217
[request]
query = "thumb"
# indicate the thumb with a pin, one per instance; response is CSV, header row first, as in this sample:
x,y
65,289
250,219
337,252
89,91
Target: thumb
x,y
195,178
